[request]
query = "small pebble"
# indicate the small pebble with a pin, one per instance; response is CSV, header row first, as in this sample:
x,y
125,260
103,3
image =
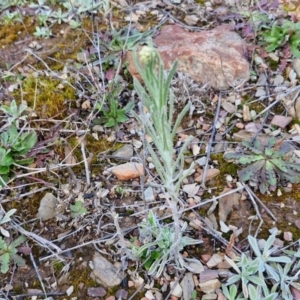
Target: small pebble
x,y
229,178
239,125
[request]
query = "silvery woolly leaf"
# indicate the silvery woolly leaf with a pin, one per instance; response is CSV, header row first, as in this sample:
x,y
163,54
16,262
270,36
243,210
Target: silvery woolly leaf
x,y
254,245
190,241
234,279
7,218
269,243
273,296
257,280
280,259
253,293
4,232
272,272
233,264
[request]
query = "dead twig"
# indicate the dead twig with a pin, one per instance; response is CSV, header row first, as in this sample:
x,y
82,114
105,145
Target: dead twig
x,y
209,146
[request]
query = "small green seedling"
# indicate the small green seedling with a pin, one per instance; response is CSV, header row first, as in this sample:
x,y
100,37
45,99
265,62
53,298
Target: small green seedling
x,y
42,32
14,111
280,35
112,113
14,145
78,209
8,252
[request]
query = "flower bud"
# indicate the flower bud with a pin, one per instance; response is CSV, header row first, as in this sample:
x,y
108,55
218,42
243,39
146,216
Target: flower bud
x,y
146,54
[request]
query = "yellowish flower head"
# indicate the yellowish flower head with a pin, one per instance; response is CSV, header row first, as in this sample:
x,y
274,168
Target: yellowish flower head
x,y
146,53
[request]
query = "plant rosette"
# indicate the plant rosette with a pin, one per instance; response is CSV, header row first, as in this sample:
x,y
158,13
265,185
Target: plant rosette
x,y
265,163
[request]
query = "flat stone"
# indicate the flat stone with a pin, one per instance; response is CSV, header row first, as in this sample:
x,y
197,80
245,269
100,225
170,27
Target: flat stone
x,y
211,173
213,57
122,294
209,287
281,121
209,297
96,292
214,260
260,92
125,151
205,257
196,266
127,171
149,194
177,291
207,275
191,19
287,236
191,189
104,272
230,108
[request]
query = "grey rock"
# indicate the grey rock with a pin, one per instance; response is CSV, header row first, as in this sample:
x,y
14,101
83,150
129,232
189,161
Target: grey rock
x,y
195,266
209,287
125,151
104,272
149,195
214,261
208,275
122,294
281,121
209,297
96,292
230,108
47,207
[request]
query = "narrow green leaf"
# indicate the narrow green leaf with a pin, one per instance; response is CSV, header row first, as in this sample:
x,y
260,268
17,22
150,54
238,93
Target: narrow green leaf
x,y
254,245
270,174
280,164
110,123
7,216
232,155
250,171
247,159
18,241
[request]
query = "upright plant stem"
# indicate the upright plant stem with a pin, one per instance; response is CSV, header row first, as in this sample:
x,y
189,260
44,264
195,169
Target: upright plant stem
x,y
156,116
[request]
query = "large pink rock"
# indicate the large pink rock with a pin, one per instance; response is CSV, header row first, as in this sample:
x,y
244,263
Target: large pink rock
x,y
214,57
